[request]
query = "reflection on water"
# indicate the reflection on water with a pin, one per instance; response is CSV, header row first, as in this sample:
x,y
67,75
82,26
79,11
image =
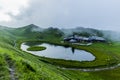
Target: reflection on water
x,y
60,52
73,50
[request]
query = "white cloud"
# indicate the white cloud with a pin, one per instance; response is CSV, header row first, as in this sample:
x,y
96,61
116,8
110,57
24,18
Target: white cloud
x,y
11,7
99,14
4,17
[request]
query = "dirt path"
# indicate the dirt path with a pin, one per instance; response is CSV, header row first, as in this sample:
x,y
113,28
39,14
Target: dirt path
x,y
92,70
12,73
10,67
14,42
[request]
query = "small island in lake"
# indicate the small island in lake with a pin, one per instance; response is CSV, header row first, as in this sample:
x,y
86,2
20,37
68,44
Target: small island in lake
x,y
36,48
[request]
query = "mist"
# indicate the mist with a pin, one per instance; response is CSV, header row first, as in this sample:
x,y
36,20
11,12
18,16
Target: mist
x,y
102,14
68,14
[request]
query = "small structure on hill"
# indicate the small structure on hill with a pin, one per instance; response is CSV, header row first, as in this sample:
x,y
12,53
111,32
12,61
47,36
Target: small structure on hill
x,y
96,39
77,39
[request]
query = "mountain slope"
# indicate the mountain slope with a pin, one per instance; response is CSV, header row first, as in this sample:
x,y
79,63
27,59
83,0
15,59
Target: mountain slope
x,y
19,65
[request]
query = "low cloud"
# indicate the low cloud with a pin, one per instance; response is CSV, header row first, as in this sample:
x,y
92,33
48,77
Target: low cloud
x,y
9,8
102,14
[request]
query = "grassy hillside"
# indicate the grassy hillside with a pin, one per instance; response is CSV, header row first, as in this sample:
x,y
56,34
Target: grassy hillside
x,y
19,65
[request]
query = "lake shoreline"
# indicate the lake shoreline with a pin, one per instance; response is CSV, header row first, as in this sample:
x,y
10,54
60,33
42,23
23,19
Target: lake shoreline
x,y
60,52
75,64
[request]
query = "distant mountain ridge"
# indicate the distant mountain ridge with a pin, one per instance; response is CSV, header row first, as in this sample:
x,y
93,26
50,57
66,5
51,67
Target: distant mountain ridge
x,y
35,31
83,31
31,27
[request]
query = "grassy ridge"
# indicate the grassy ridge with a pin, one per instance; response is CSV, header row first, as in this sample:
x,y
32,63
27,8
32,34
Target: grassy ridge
x,y
27,67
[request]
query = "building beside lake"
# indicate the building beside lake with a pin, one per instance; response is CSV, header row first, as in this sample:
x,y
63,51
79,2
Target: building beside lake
x,y
76,39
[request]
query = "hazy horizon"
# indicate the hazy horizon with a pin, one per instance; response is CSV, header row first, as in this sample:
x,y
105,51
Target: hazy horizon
x,y
102,14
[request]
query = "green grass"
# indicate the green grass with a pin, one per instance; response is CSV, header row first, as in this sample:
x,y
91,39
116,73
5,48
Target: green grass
x,y
29,67
103,56
36,48
4,72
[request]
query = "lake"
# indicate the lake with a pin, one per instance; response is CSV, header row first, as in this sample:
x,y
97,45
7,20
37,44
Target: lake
x,y
60,52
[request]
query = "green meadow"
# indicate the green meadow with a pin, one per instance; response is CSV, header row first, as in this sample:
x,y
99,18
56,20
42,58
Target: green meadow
x,y
36,48
16,64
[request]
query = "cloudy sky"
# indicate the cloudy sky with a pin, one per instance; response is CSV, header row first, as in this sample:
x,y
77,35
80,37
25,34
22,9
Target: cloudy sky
x,y
100,14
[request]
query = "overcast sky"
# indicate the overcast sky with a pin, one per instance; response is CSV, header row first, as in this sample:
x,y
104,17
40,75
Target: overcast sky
x,y
100,14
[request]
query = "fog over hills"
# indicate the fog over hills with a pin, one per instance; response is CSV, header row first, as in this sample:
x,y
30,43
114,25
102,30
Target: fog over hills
x,y
108,34
98,14
36,30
